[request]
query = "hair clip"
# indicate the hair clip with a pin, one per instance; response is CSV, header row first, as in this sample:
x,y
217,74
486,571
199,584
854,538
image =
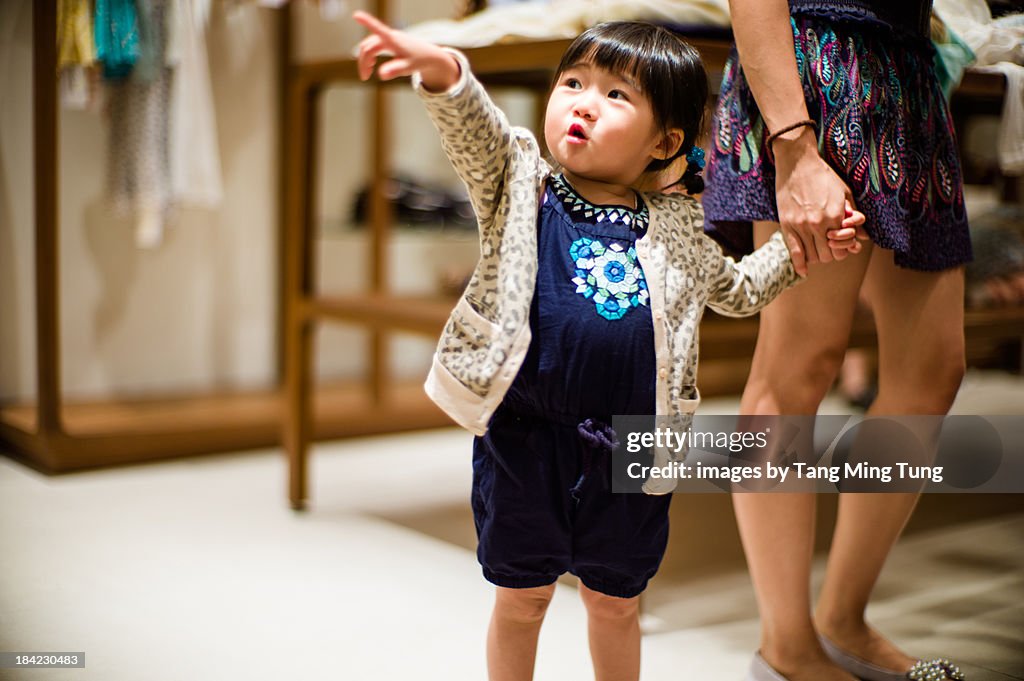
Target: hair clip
x,y
696,157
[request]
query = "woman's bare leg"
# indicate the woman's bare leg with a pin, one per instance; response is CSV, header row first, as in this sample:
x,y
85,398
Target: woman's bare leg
x,y
919,317
802,339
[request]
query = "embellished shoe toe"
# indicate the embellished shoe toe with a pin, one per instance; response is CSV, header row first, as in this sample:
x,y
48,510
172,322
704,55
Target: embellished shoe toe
x,y
923,670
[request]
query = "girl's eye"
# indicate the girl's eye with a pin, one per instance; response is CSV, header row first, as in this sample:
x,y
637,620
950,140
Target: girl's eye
x,y
572,82
617,94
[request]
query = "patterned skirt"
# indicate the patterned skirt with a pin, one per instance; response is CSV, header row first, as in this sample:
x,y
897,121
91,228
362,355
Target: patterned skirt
x,y
883,125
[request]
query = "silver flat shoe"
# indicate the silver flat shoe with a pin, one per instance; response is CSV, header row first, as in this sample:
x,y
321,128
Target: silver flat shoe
x,y
923,670
760,670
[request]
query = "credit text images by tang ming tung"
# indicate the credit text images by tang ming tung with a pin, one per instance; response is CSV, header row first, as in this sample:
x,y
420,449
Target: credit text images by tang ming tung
x,y
714,453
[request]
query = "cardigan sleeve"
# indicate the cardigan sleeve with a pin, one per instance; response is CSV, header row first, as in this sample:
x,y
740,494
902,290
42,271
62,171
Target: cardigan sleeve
x,y
740,289
475,135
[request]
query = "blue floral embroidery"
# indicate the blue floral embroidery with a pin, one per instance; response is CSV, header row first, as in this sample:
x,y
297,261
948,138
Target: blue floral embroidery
x,y
609,276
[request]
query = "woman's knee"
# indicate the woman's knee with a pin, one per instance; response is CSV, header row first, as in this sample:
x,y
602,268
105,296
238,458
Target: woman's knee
x,y
929,388
523,605
948,378
604,606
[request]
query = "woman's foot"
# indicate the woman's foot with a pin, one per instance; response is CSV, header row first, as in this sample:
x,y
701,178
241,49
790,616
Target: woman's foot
x,y
812,666
864,643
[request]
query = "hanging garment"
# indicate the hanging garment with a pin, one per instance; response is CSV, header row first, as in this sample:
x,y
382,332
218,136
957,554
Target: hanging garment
x,y
163,139
1011,126
139,164
952,57
999,48
117,37
76,52
74,34
194,153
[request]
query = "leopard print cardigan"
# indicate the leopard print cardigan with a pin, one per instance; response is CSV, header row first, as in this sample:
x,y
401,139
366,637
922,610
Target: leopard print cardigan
x,y
487,335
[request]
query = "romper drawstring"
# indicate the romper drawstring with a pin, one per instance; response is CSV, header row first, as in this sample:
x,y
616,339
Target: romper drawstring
x,y
598,438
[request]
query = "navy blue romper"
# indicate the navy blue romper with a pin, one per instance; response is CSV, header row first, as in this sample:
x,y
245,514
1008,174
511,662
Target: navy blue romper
x,y
542,497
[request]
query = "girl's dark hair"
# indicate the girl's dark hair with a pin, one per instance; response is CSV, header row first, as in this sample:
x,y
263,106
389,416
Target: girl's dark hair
x,y
668,70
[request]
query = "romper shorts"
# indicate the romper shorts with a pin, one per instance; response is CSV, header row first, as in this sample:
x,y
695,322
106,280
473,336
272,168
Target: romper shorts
x,y
543,506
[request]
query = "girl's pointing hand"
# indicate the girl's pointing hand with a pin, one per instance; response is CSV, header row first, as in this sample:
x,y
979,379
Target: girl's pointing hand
x,y
406,55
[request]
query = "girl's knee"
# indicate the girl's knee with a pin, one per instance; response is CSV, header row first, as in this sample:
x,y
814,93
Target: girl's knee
x,y
523,605
609,607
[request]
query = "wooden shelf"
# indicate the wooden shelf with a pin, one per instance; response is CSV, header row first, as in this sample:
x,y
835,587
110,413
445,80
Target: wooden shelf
x,y
422,315
979,85
114,432
100,433
518,64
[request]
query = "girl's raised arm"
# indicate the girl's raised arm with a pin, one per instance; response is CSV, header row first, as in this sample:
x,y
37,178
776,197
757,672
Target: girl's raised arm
x,y
475,134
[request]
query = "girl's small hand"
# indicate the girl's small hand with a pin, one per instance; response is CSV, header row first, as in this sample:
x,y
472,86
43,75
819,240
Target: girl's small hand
x,y
846,240
437,68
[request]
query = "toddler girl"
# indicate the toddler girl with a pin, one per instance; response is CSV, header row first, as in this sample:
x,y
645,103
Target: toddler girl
x,y
585,303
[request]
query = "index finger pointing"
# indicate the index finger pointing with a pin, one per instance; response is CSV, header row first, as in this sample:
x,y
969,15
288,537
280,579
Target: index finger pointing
x,y
371,22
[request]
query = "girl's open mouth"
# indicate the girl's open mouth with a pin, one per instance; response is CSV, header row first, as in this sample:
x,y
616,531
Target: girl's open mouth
x,y
576,132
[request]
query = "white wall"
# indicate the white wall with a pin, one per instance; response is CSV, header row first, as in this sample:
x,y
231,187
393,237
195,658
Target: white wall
x,y
16,266
200,312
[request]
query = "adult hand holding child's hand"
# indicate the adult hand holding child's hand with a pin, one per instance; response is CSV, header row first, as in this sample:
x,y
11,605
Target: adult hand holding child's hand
x,y
407,55
846,240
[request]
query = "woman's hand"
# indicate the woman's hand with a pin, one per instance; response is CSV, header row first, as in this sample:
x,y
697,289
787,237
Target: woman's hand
x,y
437,68
813,203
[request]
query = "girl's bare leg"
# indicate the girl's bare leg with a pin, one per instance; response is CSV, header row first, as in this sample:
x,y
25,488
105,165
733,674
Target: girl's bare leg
x,y
613,628
512,635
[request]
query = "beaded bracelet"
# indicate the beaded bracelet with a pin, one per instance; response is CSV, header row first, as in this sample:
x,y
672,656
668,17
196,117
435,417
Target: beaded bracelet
x,y
778,133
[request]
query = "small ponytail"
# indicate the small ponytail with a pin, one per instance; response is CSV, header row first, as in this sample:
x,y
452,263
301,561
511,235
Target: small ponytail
x,y
692,179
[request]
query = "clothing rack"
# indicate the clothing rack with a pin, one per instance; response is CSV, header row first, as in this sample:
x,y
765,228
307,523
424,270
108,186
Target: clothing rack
x,y
53,435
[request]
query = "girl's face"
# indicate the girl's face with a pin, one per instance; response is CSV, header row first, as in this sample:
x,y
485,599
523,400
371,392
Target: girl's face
x,y
600,127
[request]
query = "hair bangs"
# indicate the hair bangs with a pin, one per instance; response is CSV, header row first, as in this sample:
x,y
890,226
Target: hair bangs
x,y
634,57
